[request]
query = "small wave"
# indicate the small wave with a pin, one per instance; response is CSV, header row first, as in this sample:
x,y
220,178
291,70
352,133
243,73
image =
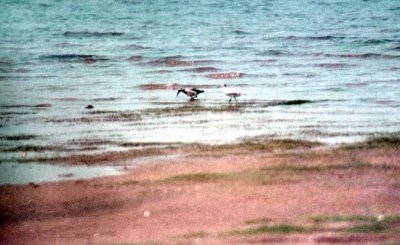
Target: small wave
x,y
159,71
367,55
357,85
276,53
67,99
293,102
395,48
299,74
331,65
172,86
374,41
43,105
229,75
14,106
202,69
88,59
136,47
172,62
5,77
135,58
240,32
106,99
175,61
387,102
327,37
82,34
4,62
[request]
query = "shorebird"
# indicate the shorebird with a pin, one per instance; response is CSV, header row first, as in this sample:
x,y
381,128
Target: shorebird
x,y
191,92
232,93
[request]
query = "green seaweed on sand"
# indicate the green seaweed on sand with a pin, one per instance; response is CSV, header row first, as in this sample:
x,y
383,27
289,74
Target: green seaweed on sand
x,y
328,167
340,218
257,221
199,234
375,227
361,223
198,177
283,228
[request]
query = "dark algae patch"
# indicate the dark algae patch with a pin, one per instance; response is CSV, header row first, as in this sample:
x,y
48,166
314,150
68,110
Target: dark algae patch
x,y
295,102
387,140
32,148
18,137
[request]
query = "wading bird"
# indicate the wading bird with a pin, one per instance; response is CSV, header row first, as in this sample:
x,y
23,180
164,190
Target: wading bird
x,y
232,93
191,92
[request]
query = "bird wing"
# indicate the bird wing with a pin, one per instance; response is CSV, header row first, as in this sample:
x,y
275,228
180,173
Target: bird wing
x,y
197,90
231,92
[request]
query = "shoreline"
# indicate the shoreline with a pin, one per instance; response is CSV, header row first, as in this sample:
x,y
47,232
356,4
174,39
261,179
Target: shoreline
x,y
134,154
244,194
64,168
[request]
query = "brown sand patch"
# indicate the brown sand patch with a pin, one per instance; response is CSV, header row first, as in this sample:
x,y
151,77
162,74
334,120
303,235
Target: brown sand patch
x,y
152,205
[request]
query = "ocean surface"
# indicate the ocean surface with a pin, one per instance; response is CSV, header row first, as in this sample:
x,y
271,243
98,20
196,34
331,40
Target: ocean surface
x,y
88,77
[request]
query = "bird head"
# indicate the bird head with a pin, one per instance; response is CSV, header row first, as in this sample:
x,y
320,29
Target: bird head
x,y
180,90
223,85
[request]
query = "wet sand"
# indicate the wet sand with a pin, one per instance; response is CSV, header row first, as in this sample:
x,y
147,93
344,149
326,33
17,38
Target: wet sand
x,y
302,194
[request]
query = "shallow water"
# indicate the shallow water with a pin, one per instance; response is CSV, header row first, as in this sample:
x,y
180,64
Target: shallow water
x,y
126,57
15,173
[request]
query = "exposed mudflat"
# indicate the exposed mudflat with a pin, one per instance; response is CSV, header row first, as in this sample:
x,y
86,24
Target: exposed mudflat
x,y
241,194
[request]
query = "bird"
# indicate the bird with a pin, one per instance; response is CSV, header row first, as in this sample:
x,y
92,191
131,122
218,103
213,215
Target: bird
x,y
232,93
191,92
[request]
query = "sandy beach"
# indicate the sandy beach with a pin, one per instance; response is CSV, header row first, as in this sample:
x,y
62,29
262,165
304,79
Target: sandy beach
x,y
282,192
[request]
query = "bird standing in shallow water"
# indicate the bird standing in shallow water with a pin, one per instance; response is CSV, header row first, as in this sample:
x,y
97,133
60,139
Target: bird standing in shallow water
x,y
232,93
191,92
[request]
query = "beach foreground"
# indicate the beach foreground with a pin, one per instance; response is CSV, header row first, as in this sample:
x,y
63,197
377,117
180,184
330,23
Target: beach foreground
x,y
288,193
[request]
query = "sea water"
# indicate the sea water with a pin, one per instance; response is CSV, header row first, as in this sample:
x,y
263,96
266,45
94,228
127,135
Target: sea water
x,y
128,58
